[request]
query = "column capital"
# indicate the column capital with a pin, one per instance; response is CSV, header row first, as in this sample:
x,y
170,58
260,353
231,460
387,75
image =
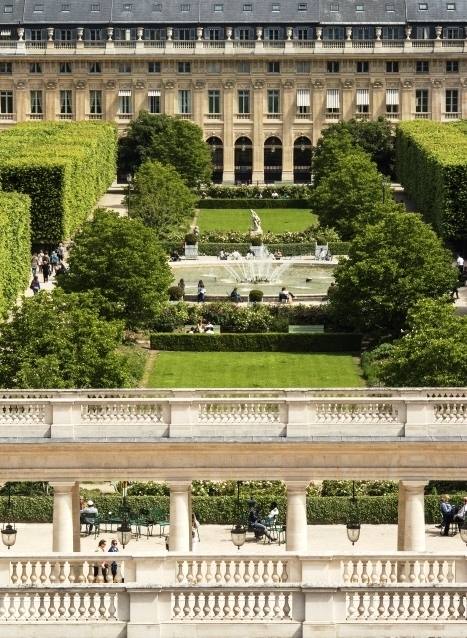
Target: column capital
x,y
414,486
297,485
62,486
179,486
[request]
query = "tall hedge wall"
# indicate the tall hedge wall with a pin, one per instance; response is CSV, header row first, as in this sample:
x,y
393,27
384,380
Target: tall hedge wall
x,y
63,166
257,342
15,243
221,510
253,203
431,164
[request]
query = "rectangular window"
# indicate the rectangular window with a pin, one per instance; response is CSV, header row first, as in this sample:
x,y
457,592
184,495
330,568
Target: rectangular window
x,y
452,66
423,33
244,34
450,6
155,34
276,7
184,101
124,102
95,7
361,33
214,102
36,102
272,34
38,8
157,7
127,7
154,101
274,101
214,68
452,101
332,67
359,7
185,34
154,67
244,102
274,67
303,101
95,102
392,100
392,67
65,35
35,67
302,6
218,7
36,35
214,34
392,33
184,67
452,33
332,101
243,67
6,102
303,67
184,7
6,68
422,66
363,100
423,6
390,7
8,8
334,7
94,34
363,67
64,67
302,33
65,7
95,67
421,101
66,103
124,67
247,7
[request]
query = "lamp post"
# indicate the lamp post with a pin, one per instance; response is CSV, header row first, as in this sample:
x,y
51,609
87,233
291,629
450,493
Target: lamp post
x,y
384,183
353,524
238,531
463,531
9,531
124,531
129,178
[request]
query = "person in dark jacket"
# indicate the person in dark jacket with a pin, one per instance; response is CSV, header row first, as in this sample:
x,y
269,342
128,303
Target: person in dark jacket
x,y
255,523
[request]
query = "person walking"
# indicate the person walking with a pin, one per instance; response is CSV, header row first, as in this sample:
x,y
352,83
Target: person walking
x,y
35,285
104,566
34,264
46,267
40,257
113,565
53,262
201,291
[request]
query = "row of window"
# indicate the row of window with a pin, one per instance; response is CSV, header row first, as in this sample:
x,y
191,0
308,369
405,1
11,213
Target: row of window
x,y
303,103
184,68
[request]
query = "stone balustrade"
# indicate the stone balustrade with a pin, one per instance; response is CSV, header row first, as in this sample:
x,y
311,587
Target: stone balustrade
x,y
161,414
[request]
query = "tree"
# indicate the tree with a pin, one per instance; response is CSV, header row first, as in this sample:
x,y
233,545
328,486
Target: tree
x,y
121,260
55,340
375,138
432,353
160,198
168,140
391,265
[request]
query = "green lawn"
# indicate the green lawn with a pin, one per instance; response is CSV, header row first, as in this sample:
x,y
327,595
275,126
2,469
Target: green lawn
x,y
254,370
276,220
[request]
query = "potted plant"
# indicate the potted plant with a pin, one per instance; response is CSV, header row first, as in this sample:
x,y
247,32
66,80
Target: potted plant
x,y
191,246
256,296
175,293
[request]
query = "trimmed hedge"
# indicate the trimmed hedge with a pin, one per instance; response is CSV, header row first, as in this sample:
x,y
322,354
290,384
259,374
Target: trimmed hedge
x,y
253,203
221,510
15,244
431,164
63,166
257,342
287,250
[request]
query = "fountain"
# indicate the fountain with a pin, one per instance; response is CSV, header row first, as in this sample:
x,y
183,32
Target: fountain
x,y
255,271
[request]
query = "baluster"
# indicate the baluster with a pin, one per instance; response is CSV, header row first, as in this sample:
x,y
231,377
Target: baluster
x,y
33,576
421,605
401,577
43,576
421,573
236,606
218,576
256,572
365,577
246,606
246,573
61,606
411,607
266,577
81,605
21,608
2,606
14,575
345,572
351,609
199,573
190,577
180,576
461,607
450,574
384,577
177,610
52,608
267,606
431,606
41,608
275,575
102,609
208,571
284,575
412,577
401,607
392,606
393,574
227,575
186,607
24,576
441,608
354,578
81,574
216,610
431,571
441,577
237,576
206,606
112,607
256,607
381,607
360,606
71,607
71,573
53,572
451,607
226,608
61,576
371,606
374,572
12,608
197,605
277,607
92,608
287,606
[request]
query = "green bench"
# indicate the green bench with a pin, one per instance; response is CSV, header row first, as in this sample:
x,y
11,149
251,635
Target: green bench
x,y
296,330
216,331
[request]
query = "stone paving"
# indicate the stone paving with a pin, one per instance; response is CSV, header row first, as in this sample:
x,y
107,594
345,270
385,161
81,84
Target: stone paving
x,y
215,540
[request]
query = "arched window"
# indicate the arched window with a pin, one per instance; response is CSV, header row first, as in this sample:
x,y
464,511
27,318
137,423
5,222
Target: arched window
x,y
302,160
217,152
272,160
243,160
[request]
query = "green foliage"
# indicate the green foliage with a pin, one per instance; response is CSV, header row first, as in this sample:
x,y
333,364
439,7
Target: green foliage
x,y
259,342
63,166
375,138
160,199
391,265
191,239
312,234
256,241
122,261
254,203
431,164
432,353
175,293
285,192
170,141
15,242
148,489
275,222
256,295
287,250
56,340
362,488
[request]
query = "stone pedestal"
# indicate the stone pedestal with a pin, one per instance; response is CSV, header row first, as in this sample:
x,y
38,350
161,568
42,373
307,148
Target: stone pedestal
x,y
63,517
414,524
180,523
296,532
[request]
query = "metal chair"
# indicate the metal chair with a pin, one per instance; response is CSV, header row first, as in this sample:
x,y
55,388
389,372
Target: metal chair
x,y
160,519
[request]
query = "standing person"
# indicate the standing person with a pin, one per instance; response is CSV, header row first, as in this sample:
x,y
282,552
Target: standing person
x,y
195,524
201,291
34,264
113,565
40,257
60,251
35,285
447,512
46,266
104,566
53,262
181,285
460,263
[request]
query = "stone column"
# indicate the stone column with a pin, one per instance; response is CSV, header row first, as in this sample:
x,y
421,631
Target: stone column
x,y
414,524
318,97
288,118
63,517
258,137
406,97
180,524
463,102
438,105
229,141
199,97
296,534
76,517
348,100
401,518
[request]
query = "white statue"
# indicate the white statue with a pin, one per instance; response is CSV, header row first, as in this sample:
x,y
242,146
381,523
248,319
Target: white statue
x,y
256,222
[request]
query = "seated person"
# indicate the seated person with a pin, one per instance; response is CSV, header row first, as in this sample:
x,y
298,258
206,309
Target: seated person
x,y
61,270
273,511
274,194
222,255
278,254
459,517
89,509
209,328
329,256
254,522
234,296
235,255
447,512
175,256
285,296
199,326
250,254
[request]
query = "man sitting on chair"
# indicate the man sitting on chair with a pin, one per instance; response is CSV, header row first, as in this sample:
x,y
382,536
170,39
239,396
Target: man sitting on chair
x,y
447,512
460,516
255,523
89,509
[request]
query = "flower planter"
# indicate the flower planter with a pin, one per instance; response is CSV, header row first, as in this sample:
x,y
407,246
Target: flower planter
x,y
191,252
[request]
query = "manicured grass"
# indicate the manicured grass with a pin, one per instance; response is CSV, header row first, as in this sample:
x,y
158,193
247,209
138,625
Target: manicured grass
x,y
253,370
277,220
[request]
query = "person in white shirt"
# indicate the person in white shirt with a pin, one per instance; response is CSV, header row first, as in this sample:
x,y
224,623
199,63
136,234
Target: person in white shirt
x,y
460,263
460,516
273,511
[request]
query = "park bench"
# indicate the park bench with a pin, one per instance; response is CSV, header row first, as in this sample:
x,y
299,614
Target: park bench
x,y
216,331
305,329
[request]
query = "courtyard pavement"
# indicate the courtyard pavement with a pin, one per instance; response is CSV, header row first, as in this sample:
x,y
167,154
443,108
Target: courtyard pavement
x,y
215,540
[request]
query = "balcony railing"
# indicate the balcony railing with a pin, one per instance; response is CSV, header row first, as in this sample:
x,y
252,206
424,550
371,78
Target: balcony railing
x,y
363,44
95,116
7,116
65,116
392,116
243,116
124,116
65,45
451,116
213,116
184,116
421,116
273,116
35,116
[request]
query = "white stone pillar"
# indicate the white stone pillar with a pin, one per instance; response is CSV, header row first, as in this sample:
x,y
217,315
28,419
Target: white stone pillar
x,y
180,524
76,518
63,516
414,527
296,534
401,518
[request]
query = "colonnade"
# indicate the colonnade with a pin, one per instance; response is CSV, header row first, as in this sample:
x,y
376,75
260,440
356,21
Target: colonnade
x,y
66,518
